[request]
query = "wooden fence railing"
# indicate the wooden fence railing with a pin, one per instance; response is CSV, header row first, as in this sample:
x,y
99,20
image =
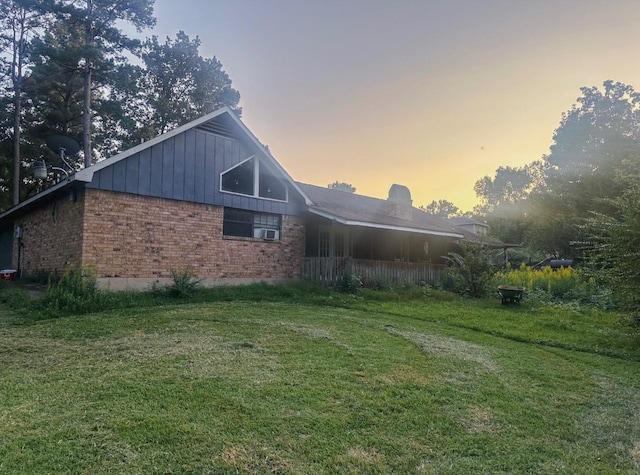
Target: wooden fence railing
x,y
330,270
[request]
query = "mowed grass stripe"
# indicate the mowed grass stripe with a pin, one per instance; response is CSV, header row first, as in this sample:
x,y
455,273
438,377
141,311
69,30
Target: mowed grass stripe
x,y
279,388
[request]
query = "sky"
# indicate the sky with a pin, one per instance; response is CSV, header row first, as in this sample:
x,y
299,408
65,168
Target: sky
x,y
430,94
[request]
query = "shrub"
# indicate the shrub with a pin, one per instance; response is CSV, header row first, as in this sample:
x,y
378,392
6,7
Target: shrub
x,y
184,284
350,283
76,291
565,284
470,271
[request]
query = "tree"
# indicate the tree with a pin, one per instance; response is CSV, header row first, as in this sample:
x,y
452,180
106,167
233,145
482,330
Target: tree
x,y
178,85
102,44
612,242
441,208
509,186
601,130
19,20
342,186
591,144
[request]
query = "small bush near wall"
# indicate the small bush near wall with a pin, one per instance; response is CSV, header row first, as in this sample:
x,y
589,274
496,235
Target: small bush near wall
x,y
184,284
75,292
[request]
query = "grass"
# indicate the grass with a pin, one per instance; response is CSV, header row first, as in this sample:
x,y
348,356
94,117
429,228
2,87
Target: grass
x,y
327,383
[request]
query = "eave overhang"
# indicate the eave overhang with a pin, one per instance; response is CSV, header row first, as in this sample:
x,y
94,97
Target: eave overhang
x,y
391,227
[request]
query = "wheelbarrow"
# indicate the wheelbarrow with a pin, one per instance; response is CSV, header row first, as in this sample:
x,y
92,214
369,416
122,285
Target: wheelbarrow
x,y
510,294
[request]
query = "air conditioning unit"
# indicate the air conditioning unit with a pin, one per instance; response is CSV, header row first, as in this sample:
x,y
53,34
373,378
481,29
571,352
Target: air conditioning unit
x,y
270,234
266,234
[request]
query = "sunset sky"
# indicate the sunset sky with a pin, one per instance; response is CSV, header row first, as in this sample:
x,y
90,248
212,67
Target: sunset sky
x,y
431,94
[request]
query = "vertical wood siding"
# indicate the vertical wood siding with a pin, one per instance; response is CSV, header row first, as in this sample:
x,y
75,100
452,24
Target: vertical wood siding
x,y
187,167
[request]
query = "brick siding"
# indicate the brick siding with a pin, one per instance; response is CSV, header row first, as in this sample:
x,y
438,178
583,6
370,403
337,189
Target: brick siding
x,y
51,237
131,236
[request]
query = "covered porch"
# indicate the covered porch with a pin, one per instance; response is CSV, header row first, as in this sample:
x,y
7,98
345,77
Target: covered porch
x,y
331,270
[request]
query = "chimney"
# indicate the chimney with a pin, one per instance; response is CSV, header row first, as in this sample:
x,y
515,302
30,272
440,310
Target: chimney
x,y
400,202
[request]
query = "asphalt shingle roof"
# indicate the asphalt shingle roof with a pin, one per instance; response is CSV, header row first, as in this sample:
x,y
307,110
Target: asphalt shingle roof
x,y
356,208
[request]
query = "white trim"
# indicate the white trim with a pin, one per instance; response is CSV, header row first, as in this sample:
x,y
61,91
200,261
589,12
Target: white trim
x,y
391,227
256,182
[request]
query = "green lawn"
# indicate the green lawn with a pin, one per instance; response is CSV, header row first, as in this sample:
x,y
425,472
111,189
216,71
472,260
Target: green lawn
x,y
433,386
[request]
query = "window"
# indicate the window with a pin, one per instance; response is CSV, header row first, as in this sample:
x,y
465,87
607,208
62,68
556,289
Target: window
x,y
254,178
240,178
323,245
245,223
271,187
338,245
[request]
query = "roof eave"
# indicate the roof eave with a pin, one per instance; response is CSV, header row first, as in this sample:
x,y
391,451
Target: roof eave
x,y
42,195
368,224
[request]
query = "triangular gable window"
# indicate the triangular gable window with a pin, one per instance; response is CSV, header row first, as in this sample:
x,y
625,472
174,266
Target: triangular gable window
x,y
253,178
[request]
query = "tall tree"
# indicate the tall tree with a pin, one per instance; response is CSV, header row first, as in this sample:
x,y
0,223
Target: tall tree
x,y
102,43
601,130
509,186
179,85
19,21
612,240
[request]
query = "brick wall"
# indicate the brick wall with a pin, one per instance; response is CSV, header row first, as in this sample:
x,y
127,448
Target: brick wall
x,y
131,236
51,236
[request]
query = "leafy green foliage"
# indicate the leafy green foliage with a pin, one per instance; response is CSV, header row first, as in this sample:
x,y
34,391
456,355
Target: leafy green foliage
x,y
76,292
178,84
613,246
442,209
342,186
470,270
184,284
546,285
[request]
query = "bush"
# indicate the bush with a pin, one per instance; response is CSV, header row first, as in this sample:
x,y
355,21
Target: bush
x,y
76,292
470,271
563,285
350,283
184,285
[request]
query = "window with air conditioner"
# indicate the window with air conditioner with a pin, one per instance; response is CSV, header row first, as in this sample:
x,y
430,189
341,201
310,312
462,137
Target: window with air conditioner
x,y
246,223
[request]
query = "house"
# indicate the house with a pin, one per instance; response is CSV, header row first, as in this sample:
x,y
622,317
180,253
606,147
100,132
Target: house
x,y
209,197
472,225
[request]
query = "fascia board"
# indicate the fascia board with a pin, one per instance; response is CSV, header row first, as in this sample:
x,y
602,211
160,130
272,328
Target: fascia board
x,y
366,224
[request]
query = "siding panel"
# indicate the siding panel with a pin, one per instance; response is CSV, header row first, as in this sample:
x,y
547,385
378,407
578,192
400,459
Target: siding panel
x,y
156,170
178,168
119,175
144,173
199,179
132,174
168,149
210,173
189,165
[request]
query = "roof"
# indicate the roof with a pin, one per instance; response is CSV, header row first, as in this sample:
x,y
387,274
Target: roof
x,y
357,210
465,220
222,121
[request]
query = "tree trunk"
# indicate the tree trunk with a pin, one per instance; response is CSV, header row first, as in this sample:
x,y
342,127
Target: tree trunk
x,y
86,110
17,112
86,117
